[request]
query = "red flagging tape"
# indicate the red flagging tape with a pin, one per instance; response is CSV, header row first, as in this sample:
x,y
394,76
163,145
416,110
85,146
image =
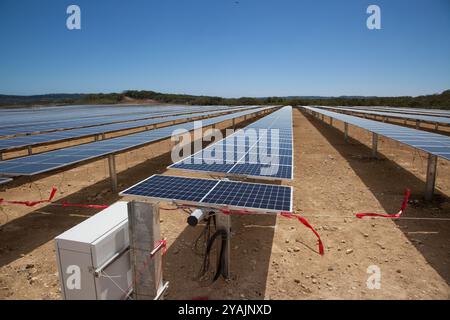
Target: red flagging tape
x,y
147,260
392,216
306,224
162,242
49,200
32,203
286,215
94,206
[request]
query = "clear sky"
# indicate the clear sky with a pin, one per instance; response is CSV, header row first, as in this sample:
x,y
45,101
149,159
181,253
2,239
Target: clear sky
x,y
229,48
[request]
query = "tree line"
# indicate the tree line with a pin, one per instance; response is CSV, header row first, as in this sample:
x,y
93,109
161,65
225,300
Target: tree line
x,y
441,101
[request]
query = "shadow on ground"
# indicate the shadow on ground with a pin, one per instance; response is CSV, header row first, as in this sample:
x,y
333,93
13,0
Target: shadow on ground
x,y
387,181
251,247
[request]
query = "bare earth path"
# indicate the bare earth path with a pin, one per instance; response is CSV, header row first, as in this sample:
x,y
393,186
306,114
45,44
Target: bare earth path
x,y
271,257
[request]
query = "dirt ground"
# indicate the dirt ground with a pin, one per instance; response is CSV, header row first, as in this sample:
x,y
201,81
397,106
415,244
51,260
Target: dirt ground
x,y
272,257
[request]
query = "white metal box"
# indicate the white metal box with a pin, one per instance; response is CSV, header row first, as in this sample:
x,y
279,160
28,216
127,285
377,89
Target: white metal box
x,y
93,257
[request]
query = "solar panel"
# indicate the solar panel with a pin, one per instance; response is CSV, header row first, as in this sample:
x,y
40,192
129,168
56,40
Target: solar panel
x,y
15,123
24,141
250,152
5,180
433,143
418,117
214,193
52,160
430,112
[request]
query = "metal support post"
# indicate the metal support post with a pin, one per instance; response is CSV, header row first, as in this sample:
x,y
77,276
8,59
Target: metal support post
x,y
112,172
374,145
146,251
431,176
346,132
224,222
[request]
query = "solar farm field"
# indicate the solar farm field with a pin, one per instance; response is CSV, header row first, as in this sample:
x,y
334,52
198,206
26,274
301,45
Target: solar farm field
x,y
327,180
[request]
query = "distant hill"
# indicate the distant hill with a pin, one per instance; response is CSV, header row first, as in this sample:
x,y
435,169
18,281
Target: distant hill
x,y
441,100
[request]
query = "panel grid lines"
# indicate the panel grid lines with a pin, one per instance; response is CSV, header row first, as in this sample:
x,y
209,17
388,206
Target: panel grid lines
x,y
214,193
216,157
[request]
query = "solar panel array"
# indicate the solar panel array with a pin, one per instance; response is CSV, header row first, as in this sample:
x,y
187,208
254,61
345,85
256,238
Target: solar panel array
x,y
24,141
10,126
416,117
214,193
262,150
429,112
48,161
433,143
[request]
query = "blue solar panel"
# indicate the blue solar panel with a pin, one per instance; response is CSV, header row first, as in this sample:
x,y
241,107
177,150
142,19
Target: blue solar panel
x,y
253,156
433,143
166,187
430,112
262,170
24,141
27,121
251,195
36,164
428,118
213,193
5,180
213,167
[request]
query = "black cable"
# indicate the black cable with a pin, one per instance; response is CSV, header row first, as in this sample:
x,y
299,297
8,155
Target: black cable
x,y
205,234
221,261
208,241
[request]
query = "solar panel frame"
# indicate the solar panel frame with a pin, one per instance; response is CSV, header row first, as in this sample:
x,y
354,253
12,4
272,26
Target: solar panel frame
x,y
203,203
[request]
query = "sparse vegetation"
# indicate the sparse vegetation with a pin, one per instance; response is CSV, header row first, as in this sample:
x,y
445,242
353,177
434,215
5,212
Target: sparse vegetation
x,y
441,101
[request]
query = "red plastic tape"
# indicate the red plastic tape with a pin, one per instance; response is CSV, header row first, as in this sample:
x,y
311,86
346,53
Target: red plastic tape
x,y
306,224
392,216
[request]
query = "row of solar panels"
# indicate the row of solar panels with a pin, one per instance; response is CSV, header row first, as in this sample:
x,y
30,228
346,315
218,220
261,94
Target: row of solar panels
x,y
429,112
414,117
435,144
230,195
263,149
25,141
47,126
30,116
49,161
5,180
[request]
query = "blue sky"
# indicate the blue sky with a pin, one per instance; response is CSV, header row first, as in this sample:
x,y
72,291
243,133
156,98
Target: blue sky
x,y
220,47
